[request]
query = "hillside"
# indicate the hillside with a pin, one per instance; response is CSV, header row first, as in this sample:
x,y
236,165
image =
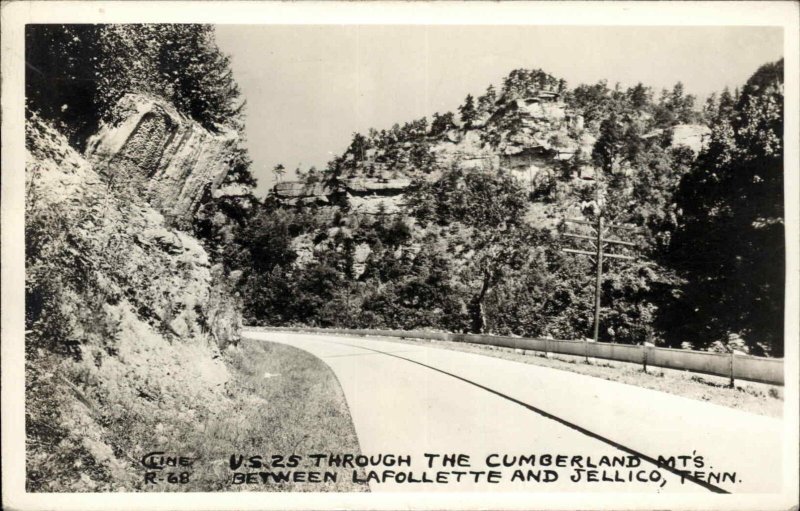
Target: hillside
x,y
533,132
137,180
455,223
127,315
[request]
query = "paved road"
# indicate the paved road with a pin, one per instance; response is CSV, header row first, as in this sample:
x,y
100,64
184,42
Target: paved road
x,y
417,399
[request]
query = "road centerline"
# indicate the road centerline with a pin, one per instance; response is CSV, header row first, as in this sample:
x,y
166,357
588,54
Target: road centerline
x,y
367,354
596,436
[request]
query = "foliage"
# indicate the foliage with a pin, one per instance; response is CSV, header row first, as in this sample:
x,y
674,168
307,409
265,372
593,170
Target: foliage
x,y
675,107
730,234
522,82
607,149
468,111
442,123
60,76
467,253
486,102
76,74
473,197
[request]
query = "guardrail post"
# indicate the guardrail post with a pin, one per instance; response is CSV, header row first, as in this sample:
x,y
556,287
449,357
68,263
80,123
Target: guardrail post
x,y
644,357
732,383
589,359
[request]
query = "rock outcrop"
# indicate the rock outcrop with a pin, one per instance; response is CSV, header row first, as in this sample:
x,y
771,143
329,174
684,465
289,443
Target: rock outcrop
x,y
376,205
534,136
693,136
168,158
369,196
133,302
386,187
293,193
162,273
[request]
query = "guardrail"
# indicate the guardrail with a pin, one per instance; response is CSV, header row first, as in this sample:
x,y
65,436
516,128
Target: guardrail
x,y
730,365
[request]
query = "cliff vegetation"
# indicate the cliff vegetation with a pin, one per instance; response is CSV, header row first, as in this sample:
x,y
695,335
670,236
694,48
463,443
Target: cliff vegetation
x,y
456,222
135,175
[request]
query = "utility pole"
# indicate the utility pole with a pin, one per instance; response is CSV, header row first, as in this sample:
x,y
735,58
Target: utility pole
x,y
599,278
598,242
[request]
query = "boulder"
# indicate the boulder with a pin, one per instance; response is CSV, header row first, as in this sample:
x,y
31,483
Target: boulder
x,y
360,257
233,190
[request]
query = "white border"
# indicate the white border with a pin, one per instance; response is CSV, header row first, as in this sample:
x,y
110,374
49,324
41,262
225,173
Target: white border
x,y
16,14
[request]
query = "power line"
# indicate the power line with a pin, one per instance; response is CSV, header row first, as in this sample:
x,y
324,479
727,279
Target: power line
x,y
599,243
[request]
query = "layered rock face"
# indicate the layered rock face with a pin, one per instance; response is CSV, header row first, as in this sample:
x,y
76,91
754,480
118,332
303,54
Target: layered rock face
x,y
693,136
386,187
534,137
135,302
543,139
162,273
170,159
293,193
369,196
382,196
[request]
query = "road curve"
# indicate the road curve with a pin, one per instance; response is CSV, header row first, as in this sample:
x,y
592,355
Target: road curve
x,y
417,399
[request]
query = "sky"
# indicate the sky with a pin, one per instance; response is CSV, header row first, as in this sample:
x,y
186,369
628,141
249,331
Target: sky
x,y
309,88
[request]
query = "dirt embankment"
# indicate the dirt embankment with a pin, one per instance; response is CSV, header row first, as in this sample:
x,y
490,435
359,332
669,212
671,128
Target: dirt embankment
x,y
126,317
132,332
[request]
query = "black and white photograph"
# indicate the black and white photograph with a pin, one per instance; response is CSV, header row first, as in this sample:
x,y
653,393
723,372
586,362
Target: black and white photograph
x,y
411,262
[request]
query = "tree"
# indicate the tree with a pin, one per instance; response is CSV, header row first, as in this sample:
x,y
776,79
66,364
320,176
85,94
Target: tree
x,y
358,147
487,101
730,241
76,74
279,170
710,108
220,217
675,107
521,82
726,104
606,153
495,252
468,112
490,206
442,123
60,81
591,100
639,96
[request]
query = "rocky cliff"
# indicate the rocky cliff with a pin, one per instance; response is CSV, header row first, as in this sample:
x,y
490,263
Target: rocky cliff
x,y
125,314
536,138
532,133
475,222
168,158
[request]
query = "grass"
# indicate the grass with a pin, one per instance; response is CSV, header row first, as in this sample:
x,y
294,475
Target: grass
x,y
284,401
751,397
278,400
